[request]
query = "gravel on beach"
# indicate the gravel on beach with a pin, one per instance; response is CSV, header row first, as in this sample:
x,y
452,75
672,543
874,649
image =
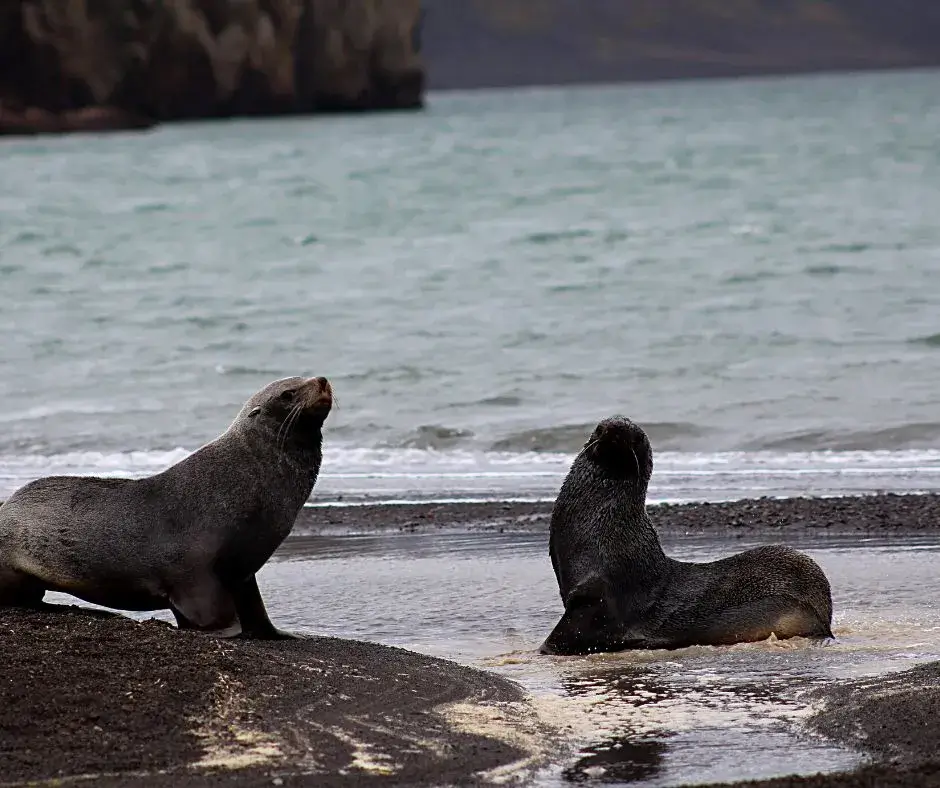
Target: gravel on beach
x,y
860,515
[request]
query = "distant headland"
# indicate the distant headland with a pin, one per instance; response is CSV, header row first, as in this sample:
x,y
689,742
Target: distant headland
x,y
72,65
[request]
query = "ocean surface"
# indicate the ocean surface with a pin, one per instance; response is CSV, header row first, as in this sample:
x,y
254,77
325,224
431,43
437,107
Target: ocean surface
x,y
750,269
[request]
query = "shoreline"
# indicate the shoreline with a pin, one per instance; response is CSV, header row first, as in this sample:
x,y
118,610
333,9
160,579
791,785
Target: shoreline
x,y
863,515
34,121
97,119
893,719
99,695
908,514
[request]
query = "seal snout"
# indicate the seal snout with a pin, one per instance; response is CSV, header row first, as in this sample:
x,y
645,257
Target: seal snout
x,y
317,394
621,445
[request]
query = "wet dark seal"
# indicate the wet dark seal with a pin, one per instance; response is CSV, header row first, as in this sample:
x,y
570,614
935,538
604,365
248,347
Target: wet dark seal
x,y
621,591
190,538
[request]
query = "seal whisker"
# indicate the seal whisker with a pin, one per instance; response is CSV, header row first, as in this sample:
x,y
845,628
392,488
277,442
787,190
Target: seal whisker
x,y
288,424
588,445
637,461
295,414
283,427
280,430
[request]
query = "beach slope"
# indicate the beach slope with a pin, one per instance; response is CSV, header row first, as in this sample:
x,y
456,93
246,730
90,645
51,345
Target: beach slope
x,y
99,696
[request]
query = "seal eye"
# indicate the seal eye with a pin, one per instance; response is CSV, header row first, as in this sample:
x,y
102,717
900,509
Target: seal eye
x,y
288,396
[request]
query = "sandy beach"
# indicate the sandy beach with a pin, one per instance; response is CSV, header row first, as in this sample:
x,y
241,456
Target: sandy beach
x,y
102,696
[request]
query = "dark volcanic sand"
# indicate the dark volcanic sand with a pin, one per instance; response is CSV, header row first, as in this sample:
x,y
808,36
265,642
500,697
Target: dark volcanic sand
x,y
867,515
86,694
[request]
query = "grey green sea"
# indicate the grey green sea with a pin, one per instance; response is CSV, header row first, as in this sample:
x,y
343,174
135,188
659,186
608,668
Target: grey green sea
x,y
747,268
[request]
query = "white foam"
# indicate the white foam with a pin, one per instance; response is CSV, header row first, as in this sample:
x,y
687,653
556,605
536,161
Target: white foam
x,y
352,474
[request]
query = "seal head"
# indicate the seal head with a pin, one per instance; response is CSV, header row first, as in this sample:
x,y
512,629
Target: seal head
x,y
291,411
620,449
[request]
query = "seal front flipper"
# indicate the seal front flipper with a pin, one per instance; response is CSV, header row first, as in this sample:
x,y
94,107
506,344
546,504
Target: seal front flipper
x,y
202,603
253,615
20,590
589,623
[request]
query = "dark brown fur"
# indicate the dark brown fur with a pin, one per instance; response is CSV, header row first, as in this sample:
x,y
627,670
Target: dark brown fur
x,y
621,591
190,538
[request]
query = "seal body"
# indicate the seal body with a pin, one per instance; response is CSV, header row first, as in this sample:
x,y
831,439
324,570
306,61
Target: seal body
x,y
190,538
621,591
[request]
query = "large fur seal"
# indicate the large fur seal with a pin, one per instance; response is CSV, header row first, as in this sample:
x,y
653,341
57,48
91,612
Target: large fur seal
x,y
190,538
621,591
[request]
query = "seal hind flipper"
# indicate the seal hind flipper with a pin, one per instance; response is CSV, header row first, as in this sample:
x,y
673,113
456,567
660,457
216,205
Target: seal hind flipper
x,y
253,615
780,615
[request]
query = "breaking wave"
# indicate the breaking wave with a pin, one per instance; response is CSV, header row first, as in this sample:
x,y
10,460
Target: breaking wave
x,y
350,474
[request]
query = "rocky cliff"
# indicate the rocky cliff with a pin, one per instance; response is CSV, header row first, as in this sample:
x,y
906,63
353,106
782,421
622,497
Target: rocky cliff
x,y
67,64
481,43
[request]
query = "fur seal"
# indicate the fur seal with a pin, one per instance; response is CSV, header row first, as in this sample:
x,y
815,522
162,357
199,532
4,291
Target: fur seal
x,y
621,591
190,538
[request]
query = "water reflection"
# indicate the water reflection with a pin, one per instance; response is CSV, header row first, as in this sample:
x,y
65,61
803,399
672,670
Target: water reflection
x,y
618,759
638,710
624,754
660,717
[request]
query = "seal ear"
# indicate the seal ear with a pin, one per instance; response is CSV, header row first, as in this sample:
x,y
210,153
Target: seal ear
x,y
254,412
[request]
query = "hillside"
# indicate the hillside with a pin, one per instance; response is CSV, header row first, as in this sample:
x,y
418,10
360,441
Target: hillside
x,y
478,43
69,65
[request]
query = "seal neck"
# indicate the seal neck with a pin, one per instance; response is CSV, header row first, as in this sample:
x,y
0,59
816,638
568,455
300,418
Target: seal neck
x,y
301,453
616,507
640,542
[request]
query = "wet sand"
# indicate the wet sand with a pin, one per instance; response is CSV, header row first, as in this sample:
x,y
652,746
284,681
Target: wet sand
x,y
860,516
894,719
87,694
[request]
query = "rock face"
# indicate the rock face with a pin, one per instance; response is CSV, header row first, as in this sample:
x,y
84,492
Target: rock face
x,y
483,43
97,63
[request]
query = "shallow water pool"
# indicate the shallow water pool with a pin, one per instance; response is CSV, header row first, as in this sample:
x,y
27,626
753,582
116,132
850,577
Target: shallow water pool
x,y
655,718
659,718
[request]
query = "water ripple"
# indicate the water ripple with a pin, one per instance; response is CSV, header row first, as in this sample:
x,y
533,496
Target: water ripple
x,y
733,267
